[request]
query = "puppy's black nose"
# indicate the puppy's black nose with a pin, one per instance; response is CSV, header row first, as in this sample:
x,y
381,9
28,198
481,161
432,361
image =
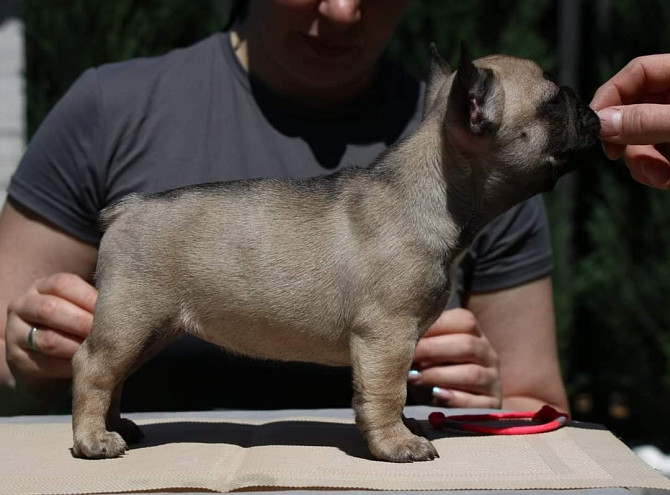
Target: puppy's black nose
x,y
588,120
587,123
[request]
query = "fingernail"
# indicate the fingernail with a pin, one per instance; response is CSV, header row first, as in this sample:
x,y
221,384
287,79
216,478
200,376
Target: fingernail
x,y
442,394
657,175
413,375
610,122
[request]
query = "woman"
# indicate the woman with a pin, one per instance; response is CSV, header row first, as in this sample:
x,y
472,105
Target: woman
x,y
295,88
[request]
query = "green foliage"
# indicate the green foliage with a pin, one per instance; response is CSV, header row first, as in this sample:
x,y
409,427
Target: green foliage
x,y
65,37
622,273
622,341
512,27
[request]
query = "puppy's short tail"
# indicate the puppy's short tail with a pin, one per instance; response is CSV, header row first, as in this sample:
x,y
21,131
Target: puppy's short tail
x,y
111,213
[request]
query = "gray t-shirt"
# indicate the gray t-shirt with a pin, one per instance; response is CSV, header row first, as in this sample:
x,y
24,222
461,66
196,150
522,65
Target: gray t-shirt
x,y
194,115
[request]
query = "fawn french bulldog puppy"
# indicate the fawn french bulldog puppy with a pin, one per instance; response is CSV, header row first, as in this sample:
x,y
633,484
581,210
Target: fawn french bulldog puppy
x,y
348,269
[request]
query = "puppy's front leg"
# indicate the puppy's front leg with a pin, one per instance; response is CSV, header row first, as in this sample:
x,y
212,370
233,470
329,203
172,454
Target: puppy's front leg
x,y
381,361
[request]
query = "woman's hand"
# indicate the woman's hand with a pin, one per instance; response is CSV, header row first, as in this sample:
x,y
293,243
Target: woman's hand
x,y
457,361
60,307
634,111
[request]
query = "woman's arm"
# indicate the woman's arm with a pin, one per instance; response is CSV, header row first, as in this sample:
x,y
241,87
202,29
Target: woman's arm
x,y
500,352
45,281
520,324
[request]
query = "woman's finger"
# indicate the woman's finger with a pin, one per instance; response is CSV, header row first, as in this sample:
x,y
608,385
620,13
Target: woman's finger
x,y
70,287
641,76
461,399
454,321
466,377
455,348
635,124
648,166
51,342
53,312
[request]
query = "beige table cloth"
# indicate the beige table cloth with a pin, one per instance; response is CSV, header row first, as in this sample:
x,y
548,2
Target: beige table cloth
x,y
195,453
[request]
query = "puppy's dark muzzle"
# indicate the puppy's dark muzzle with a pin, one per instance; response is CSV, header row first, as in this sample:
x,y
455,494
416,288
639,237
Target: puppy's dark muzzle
x,y
573,131
583,122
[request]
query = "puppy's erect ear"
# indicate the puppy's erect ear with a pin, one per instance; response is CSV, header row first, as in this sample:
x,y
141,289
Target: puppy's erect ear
x,y
474,99
440,70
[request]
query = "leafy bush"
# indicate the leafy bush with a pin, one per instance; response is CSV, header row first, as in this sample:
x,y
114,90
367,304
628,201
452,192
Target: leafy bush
x,y
65,37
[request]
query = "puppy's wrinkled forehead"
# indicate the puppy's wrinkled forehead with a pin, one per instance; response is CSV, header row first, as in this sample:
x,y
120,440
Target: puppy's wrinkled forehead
x,y
523,81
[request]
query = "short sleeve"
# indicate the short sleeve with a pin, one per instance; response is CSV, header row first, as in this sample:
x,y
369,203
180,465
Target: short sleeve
x,y
58,177
513,249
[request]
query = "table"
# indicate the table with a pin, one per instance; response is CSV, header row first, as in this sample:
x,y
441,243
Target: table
x,y
335,414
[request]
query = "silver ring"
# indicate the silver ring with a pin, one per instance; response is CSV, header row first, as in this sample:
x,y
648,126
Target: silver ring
x,y
31,342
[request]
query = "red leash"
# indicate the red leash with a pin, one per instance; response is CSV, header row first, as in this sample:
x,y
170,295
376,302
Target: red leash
x,y
546,419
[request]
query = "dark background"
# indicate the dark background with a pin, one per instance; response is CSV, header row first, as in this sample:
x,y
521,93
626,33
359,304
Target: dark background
x,y
611,235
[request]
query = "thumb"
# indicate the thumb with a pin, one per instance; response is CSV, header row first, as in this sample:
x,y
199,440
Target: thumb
x,y
644,123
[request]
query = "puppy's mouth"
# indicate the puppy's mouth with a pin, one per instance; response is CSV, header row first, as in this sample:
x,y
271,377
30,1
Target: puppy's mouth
x,y
574,135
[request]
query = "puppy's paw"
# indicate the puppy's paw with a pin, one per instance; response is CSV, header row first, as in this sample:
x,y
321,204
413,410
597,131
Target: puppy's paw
x,y
130,432
401,447
100,446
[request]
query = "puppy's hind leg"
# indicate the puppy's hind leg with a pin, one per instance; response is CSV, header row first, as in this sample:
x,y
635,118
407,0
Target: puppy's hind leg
x,y
108,355
380,367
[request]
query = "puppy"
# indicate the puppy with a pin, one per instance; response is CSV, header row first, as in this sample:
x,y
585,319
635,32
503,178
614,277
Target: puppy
x,y
348,269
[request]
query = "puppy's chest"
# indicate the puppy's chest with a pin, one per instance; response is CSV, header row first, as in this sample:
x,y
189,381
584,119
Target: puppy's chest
x,y
425,282
440,283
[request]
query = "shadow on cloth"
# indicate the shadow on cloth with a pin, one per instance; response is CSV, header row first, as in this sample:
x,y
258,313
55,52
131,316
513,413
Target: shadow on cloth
x,y
343,436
